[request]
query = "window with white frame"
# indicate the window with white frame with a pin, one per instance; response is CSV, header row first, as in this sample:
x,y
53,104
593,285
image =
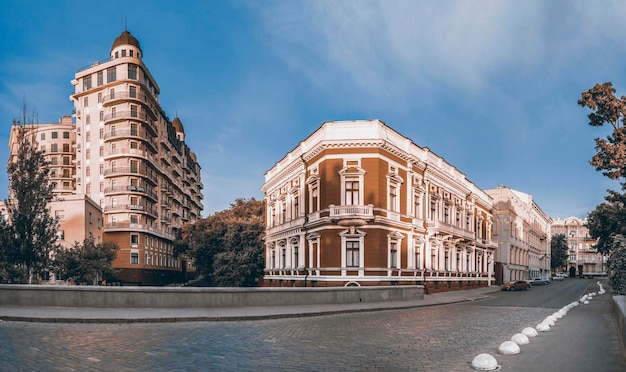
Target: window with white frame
x,y
134,257
313,185
351,183
393,254
134,240
353,250
351,192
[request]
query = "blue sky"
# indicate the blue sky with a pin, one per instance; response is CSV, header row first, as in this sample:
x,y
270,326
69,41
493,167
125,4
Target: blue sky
x,y
490,86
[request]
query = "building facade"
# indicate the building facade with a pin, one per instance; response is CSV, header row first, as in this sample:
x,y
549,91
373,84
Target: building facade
x,y
357,203
79,216
583,258
522,232
125,166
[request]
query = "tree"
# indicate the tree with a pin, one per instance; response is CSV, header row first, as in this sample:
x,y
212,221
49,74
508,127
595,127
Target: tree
x,y
86,263
608,220
30,235
558,255
227,247
617,263
607,109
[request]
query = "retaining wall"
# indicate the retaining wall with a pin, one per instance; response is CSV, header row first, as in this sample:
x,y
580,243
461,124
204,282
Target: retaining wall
x,y
190,297
619,313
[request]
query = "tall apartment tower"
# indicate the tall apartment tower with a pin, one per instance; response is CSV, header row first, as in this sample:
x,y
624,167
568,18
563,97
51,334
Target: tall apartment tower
x,y
132,160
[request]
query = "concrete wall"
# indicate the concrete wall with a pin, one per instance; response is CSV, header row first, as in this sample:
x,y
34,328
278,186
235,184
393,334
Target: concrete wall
x,y
619,313
187,297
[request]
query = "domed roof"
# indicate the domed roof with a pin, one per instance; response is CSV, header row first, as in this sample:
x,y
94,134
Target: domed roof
x,y
178,125
125,38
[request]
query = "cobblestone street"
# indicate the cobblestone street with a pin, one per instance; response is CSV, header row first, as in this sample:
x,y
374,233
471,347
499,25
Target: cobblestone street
x,y
440,338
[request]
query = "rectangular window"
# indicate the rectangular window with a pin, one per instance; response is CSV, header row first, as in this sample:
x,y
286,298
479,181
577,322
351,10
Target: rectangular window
x,y
101,151
66,160
43,148
60,215
66,134
134,239
295,256
100,78
66,147
131,53
85,101
124,53
90,218
393,197
87,82
54,147
134,258
87,171
132,92
133,111
88,136
132,71
88,119
352,192
55,135
393,255
101,133
111,75
352,253
43,136
87,154
100,97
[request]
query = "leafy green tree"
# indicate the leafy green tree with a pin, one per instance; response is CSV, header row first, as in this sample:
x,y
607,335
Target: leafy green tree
x,y
227,247
30,236
617,263
87,263
610,157
558,255
608,220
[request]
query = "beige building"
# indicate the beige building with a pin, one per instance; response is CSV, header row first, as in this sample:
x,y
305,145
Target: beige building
x,y
357,203
123,170
79,216
522,232
583,259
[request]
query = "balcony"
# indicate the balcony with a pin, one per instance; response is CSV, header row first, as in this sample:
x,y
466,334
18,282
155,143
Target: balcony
x,y
351,215
126,226
131,171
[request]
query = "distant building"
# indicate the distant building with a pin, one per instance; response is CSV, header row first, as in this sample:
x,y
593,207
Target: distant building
x,y
79,215
123,171
522,233
583,258
357,203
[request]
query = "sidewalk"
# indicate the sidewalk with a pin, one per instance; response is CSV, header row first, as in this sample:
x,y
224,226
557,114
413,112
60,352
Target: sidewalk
x,y
155,315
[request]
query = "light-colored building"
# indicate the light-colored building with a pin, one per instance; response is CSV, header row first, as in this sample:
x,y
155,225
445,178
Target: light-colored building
x,y
132,176
522,232
583,258
79,216
357,203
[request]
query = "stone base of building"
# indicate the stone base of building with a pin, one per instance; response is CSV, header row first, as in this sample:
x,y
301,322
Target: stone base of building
x,y
430,287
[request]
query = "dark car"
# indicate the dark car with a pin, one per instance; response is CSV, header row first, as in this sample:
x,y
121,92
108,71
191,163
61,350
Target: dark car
x,y
516,286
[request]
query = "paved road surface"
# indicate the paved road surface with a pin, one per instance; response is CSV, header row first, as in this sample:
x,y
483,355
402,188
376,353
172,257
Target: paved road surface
x,y
430,338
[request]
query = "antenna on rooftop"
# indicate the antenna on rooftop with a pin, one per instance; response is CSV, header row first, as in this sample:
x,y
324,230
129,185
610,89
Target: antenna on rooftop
x,y
125,28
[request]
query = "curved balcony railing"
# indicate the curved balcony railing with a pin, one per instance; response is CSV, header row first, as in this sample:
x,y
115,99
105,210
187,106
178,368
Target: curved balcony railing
x,y
130,170
127,226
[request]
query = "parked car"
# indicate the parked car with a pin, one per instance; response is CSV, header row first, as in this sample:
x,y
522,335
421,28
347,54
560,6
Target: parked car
x,y
540,280
516,286
559,276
